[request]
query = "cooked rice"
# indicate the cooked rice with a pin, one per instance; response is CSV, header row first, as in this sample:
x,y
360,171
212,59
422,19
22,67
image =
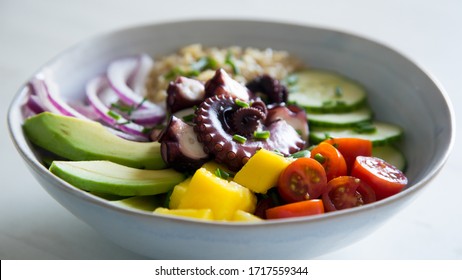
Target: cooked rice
x,y
250,63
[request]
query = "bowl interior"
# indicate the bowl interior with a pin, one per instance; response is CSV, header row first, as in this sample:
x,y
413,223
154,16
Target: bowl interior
x,y
400,92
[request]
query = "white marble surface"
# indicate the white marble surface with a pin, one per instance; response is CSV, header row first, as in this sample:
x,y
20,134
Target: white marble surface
x,y
34,226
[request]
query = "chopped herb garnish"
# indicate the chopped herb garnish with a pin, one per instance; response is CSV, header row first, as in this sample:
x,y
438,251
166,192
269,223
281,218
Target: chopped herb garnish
x,y
122,108
238,138
278,153
188,118
176,71
113,115
192,73
204,63
146,130
222,174
124,122
241,103
200,64
141,103
301,154
261,134
319,158
230,61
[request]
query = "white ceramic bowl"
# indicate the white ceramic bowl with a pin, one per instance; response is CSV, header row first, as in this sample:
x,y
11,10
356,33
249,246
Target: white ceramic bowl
x,y
399,92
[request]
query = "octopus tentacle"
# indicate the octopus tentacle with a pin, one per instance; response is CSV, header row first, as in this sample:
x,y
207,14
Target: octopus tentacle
x,y
246,120
216,124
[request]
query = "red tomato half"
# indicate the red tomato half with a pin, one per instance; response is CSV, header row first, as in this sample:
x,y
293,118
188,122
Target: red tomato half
x,y
296,209
350,148
347,192
303,179
384,178
331,159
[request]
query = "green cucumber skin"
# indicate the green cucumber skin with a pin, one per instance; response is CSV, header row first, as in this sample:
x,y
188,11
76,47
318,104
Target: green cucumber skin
x,y
392,155
163,181
333,109
338,119
320,85
319,135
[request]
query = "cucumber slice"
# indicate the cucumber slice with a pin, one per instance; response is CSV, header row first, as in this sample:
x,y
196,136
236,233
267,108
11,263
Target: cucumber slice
x,y
391,155
384,133
350,119
322,91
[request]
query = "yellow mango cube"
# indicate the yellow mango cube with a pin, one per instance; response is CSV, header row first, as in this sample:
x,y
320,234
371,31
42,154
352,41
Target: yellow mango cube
x,y
208,191
203,214
262,171
242,216
178,193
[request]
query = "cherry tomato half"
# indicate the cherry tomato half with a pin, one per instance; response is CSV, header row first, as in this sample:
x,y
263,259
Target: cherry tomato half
x,y
303,179
296,209
384,178
347,192
331,159
350,148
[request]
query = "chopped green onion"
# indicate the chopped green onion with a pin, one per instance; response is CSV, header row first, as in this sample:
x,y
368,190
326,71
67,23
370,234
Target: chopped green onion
x,y
278,153
319,158
192,73
229,60
113,115
200,64
176,71
301,154
146,130
203,63
188,118
238,138
141,103
123,108
222,174
242,104
261,134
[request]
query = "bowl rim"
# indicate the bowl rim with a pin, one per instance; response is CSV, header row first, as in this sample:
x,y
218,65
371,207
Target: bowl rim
x,y
26,151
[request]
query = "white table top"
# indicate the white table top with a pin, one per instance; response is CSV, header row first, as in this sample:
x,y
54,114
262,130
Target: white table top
x,y
34,226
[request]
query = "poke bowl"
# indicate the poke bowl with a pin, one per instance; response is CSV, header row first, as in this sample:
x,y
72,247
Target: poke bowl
x,y
255,70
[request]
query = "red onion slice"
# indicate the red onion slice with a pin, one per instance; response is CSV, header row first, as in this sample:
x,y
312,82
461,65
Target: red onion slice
x,y
98,86
50,99
135,69
34,104
141,74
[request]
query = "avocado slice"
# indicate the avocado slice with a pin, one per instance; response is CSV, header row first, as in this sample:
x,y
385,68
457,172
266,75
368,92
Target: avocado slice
x,y
111,178
145,203
78,139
